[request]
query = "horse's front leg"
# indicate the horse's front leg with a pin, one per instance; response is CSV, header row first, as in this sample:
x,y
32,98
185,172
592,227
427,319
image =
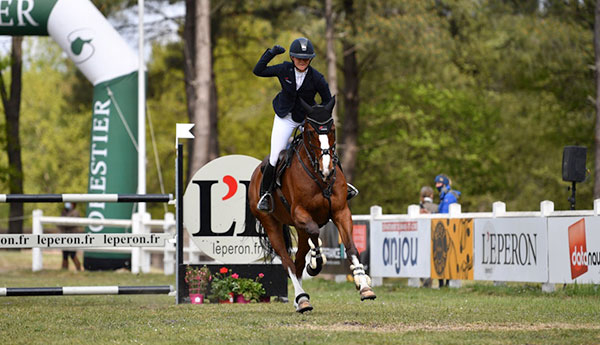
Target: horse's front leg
x,y
343,221
308,232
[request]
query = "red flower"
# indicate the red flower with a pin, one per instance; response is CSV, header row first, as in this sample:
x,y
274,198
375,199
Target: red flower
x,y
223,270
235,276
260,275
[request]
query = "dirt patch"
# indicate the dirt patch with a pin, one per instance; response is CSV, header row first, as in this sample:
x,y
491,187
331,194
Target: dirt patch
x,y
357,327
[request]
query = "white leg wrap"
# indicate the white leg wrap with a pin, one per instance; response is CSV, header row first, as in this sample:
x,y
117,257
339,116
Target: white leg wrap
x,y
297,286
314,253
361,279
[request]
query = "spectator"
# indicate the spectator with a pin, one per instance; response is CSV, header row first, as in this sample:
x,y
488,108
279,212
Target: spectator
x,y
70,211
447,196
427,205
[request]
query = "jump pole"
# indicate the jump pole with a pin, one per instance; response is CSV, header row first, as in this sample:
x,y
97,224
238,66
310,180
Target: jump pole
x,y
87,290
33,198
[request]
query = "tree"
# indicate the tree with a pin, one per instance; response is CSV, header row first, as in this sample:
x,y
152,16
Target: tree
x,y
12,108
597,125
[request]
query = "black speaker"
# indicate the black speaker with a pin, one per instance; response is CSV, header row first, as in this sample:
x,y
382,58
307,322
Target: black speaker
x,y
573,163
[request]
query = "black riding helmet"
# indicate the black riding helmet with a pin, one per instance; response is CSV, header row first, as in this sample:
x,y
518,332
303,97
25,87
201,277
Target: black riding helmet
x,y
301,48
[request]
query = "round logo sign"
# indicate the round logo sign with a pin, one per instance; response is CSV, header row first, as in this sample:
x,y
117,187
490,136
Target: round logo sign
x,y
216,213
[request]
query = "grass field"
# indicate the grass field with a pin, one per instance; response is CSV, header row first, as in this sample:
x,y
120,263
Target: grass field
x,y
474,314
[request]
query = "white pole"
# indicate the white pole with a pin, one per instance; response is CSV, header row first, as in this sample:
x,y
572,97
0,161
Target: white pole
x,y
141,109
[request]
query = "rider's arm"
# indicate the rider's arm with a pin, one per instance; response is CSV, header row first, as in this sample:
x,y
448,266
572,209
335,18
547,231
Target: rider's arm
x,y
261,69
323,89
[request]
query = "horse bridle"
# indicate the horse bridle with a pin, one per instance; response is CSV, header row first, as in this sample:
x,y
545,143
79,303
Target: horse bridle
x,y
320,128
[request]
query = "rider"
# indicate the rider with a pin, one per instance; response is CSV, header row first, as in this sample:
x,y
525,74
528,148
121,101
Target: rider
x,y
297,79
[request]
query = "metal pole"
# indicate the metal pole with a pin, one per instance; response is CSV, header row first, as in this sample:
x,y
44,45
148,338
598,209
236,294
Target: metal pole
x,y
141,109
179,221
32,198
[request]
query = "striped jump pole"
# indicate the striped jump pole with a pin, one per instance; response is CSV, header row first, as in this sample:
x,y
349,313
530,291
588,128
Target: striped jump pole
x,y
87,290
31,198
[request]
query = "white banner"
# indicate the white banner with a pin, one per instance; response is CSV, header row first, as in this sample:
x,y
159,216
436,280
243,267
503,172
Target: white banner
x,y
400,248
511,249
90,41
574,249
83,240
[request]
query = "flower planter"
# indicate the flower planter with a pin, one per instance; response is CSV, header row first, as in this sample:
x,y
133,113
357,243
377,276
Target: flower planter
x,y
197,298
241,299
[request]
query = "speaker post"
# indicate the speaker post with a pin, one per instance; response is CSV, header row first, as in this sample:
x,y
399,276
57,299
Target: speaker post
x,y
571,199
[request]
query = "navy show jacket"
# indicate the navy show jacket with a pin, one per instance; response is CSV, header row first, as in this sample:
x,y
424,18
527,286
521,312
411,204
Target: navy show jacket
x,y
286,100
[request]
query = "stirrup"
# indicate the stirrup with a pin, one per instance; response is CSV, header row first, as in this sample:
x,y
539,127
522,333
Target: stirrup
x,y
352,192
265,203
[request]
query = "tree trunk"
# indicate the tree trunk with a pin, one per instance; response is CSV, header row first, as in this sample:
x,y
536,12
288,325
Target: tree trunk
x,y
12,108
331,57
351,101
597,126
198,71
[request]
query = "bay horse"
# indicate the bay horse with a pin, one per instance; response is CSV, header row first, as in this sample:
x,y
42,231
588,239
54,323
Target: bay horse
x,y
310,191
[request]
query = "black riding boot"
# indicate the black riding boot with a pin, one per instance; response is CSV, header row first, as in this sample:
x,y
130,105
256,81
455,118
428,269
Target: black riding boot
x,y
265,203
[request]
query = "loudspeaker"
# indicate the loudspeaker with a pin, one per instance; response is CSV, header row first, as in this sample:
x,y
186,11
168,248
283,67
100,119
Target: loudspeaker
x,y
573,163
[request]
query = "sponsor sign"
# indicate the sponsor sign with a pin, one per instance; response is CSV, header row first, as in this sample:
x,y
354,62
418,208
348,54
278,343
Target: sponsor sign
x,y
574,250
400,248
83,240
25,17
511,249
216,213
452,248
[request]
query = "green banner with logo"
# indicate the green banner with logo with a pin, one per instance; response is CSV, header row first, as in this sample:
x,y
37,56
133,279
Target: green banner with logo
x,y
113,153
25,17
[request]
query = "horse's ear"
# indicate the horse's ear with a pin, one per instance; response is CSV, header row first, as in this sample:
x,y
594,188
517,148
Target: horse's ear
x,y
305,105
329,106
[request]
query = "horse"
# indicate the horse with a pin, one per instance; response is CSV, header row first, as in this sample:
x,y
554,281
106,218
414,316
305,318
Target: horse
x,y
310,190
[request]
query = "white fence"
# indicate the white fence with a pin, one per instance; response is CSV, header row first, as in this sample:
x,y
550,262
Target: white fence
x,y
544,246
140,256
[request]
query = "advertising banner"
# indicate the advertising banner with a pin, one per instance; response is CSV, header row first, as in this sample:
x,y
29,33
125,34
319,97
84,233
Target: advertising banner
x,y
452,248
574,250
400,248
511,249
216,213
25,17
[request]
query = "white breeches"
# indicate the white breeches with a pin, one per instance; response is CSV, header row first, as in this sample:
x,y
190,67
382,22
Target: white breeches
x,y
282,130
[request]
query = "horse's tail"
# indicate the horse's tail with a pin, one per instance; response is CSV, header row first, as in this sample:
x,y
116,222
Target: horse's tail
x,y
266,244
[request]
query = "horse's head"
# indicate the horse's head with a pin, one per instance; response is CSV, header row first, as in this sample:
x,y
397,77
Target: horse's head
x,y
319,137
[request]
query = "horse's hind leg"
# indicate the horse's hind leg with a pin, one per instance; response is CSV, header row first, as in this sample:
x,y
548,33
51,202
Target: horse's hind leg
x,y
343,221
274,231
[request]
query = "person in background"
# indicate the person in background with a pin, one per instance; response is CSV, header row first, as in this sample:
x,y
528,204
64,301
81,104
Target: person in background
x,y
70,211
427,205
448,196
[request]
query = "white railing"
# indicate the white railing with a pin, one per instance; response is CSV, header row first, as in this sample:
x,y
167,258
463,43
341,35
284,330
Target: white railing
x,y
140,256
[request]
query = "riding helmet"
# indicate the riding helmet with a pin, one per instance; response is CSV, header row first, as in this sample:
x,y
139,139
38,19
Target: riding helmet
x,y
301,48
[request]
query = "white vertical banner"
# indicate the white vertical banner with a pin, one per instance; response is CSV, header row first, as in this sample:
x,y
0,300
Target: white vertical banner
x,y
511,249
90,41
400,248
574,253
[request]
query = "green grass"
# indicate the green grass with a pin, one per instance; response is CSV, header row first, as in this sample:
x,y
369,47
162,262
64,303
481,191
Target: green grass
x,y
475,314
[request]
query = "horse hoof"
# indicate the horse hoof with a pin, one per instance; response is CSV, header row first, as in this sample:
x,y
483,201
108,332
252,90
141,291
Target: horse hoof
x,y
367,293
304,305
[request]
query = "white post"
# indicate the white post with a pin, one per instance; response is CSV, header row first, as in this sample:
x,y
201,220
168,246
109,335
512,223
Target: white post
x,y
37,263
546,207
498,209
596,207
414,211
145,255
169,253
141,109
136,251
376,211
